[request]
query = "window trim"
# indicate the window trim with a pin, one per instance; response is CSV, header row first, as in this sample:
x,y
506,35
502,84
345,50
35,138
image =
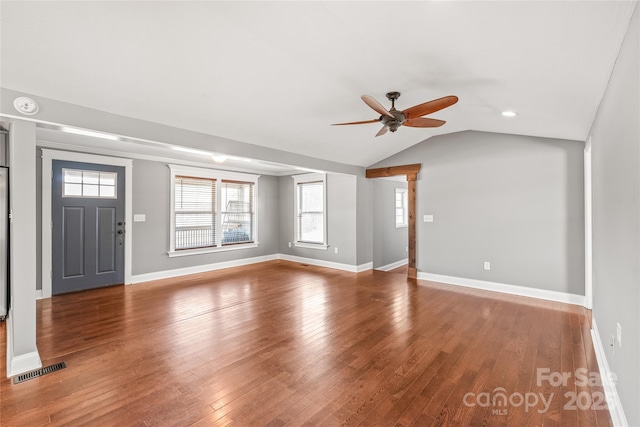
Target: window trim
x,y
302,179
405,207
218,176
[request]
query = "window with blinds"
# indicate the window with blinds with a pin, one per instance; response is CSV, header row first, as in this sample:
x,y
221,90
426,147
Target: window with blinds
x,y
237,212
211,211
195,212
310,220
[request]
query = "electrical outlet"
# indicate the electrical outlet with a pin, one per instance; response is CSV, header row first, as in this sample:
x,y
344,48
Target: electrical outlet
x,y
335,250
139,218
427,218
289,244
406,248
619,334
487,265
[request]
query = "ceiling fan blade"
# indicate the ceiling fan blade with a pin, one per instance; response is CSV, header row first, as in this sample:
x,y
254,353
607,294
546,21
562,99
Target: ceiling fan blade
x,y
382,131
430,107
424,122
356,123
371,102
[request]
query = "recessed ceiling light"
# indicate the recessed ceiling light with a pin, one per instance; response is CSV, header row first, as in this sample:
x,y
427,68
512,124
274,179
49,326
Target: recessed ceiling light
x,y
509,113
218,158
93,134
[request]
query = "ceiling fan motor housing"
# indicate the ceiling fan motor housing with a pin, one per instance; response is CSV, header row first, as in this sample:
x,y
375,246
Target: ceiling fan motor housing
x,y
396,122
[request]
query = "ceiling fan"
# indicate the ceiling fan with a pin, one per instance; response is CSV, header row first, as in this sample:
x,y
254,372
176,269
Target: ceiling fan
x,y
392,119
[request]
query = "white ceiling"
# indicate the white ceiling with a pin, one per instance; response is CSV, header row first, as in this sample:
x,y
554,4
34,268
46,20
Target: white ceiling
x,y
277,74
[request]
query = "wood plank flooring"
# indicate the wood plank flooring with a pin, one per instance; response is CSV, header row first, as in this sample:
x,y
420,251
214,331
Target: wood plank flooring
x,y
283,344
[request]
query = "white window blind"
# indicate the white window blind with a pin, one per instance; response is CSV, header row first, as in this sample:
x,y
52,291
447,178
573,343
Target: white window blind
x,y
195,212
310,212
237,212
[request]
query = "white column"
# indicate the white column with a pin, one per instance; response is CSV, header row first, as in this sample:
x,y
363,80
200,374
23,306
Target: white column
x,y
22,353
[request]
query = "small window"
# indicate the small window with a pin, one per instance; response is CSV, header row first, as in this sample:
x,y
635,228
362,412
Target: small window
x,y
89,184
401,208
310,215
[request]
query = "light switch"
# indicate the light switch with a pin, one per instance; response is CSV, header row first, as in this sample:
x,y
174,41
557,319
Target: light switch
x,y
428,218
139,218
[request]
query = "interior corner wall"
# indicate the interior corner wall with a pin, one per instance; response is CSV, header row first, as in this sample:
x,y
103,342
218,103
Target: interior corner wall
x,y
341,220
364,221
22,352
615,152
151,196
515,201
390,243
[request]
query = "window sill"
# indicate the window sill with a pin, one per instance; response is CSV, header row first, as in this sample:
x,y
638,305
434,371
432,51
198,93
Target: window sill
x,y
402,225
199,251
319,246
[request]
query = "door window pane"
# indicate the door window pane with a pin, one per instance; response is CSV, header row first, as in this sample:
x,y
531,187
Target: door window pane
x,y
87,183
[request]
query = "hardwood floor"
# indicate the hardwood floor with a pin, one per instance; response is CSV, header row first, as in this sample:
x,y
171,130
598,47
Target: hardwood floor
x,y
402,269
280,344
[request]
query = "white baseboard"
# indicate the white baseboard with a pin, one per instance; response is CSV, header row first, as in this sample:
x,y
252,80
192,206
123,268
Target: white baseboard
x,y
330,264
608,380
166,274
17,365
505,288
393,265
39,294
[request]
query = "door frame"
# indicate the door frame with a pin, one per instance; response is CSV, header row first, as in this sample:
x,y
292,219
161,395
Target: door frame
x,y
48,156
411,174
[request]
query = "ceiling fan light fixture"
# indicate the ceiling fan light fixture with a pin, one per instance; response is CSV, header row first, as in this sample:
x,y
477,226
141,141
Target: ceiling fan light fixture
x,y
509,113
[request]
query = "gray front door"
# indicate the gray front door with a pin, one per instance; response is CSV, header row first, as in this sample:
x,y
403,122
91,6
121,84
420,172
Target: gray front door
x,y
88,226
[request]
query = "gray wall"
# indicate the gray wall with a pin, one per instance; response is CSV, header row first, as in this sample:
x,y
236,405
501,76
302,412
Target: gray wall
x,y
616,220
389,242
349,207
151,184
341,220
515,201
364,220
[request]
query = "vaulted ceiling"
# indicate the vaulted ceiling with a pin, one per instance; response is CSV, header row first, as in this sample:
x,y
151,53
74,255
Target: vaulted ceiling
x,y
277,74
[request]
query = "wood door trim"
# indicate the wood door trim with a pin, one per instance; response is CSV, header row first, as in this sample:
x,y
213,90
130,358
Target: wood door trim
x,y
411,174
